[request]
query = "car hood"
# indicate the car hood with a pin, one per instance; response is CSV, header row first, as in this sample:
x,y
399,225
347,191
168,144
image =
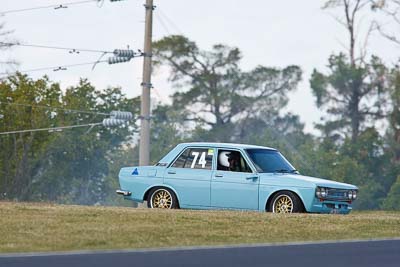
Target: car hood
x,y
302,180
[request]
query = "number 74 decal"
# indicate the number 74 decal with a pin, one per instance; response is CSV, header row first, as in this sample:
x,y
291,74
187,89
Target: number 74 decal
x,y
202,159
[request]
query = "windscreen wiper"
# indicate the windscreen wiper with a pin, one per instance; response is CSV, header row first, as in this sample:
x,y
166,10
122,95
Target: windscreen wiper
x,y
282,171
286,171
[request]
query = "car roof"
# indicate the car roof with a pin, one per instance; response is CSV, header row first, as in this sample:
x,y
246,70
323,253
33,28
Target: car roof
x,y
224,145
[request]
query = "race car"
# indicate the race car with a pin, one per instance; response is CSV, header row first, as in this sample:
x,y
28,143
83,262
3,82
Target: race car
x,y
232,176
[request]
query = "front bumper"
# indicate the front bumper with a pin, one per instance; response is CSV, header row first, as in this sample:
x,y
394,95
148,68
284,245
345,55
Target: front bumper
x,y
123,192
328,206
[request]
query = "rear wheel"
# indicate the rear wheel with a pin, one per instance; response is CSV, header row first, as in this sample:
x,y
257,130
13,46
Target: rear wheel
x,y
286,202
162,198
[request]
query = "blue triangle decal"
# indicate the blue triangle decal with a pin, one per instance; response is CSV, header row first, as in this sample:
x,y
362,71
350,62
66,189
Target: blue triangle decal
x,y
135,172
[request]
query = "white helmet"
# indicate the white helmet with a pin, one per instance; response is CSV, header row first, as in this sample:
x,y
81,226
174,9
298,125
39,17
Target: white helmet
x,y
223,158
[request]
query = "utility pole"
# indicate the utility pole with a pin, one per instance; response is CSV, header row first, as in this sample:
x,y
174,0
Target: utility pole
x,y
144,145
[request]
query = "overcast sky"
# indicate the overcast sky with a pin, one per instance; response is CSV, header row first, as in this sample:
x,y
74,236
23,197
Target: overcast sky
x,y
269,33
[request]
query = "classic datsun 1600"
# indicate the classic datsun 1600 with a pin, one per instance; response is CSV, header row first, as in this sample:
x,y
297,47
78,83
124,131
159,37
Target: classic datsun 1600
x,y
232,176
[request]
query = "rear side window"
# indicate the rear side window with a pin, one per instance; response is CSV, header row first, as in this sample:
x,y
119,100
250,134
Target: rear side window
x,y
195,158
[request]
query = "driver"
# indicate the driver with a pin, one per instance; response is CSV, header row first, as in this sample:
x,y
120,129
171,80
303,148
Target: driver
x,y
234,161
229,161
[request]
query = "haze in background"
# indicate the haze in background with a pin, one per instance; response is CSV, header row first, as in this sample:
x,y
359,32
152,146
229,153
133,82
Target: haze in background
x,y
270,33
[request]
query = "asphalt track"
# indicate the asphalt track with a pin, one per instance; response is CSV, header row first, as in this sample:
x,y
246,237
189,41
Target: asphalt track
x,y
378,253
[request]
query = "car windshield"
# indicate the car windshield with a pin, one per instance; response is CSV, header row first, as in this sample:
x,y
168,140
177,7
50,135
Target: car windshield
x,y
266,160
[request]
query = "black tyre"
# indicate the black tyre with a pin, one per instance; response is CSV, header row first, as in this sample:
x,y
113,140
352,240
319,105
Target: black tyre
x,y
162,198
286,202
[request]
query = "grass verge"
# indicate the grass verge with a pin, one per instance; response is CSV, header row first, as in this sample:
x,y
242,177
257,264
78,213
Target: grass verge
x,y
30,227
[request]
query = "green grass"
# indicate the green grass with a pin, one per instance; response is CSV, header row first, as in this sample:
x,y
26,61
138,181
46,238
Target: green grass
x,y
29,227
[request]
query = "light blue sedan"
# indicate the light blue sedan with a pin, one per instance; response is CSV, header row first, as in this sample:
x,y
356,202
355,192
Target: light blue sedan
x,y
232,176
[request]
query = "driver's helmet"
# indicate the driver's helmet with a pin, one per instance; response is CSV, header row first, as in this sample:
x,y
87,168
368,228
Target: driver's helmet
x,y
223,158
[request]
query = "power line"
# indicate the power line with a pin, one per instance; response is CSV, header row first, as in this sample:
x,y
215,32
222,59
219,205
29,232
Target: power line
x,y
54,6
163,24
120,56
56,108
71,50
170,21
117,118
56,68
52,129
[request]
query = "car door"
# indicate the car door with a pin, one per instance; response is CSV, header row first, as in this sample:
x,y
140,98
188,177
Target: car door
x,y
234,185
190,175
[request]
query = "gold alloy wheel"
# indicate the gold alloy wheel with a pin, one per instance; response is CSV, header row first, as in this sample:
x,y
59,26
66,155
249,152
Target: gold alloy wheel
x,y
283,204
161,199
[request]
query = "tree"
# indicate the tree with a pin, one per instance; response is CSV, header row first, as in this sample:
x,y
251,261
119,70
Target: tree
x,y
392,201
87,153
214,91
19,154
351,21
351,94
71,166
369,152
390,9
393,130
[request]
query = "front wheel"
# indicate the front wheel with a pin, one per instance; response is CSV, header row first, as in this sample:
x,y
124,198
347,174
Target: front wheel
x,y
162,198
286,202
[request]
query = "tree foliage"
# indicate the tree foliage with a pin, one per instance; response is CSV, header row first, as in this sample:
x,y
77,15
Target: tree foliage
x,y
352,95
68,166
214,90
392,202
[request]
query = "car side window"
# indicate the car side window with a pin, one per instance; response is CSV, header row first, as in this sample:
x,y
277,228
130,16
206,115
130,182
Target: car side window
x,y
195,158
231,160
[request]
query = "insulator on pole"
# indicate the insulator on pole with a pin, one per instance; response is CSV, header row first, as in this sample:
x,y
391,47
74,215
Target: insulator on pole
x,y
121,115
116,60
124,53
112,122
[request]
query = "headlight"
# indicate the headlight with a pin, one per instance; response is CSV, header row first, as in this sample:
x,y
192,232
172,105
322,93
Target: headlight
x,y
354,194
321,192
324,192
318,192
350,194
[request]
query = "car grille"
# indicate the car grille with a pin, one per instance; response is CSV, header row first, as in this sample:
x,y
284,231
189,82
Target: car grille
x,y
337,194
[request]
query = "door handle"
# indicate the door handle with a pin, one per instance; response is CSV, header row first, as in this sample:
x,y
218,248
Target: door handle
x,y
171,172
251,177
218,175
